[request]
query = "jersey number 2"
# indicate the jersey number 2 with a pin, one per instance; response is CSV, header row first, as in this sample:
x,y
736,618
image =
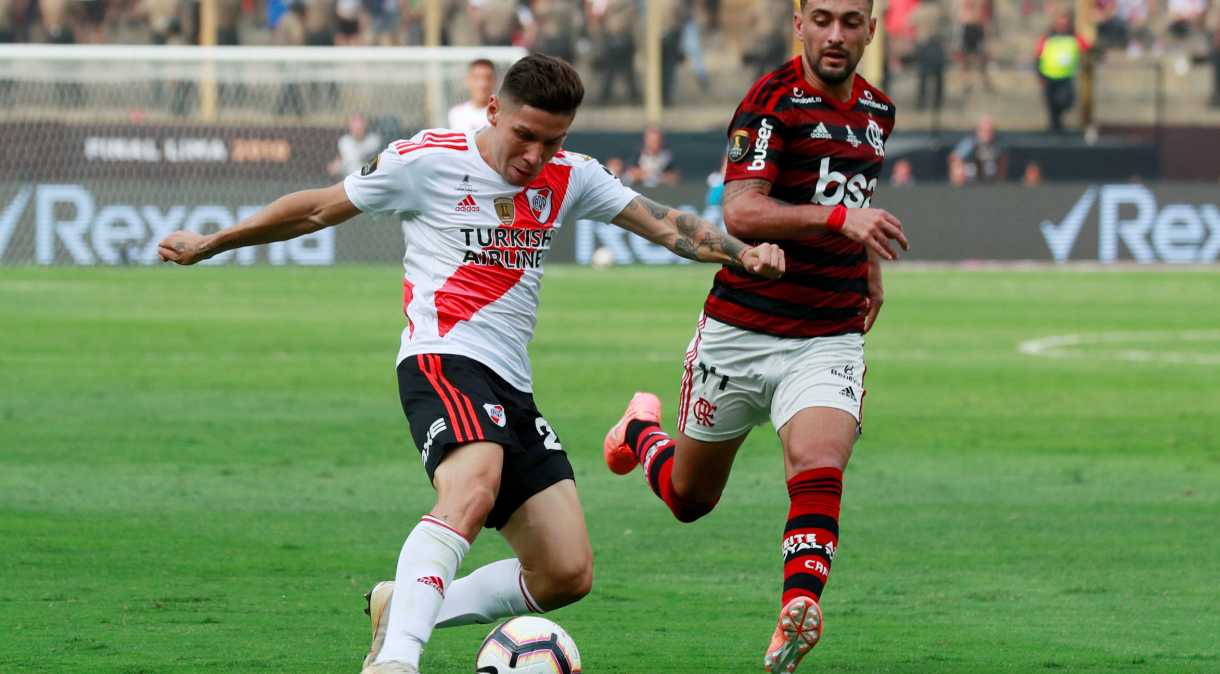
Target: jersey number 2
x,y
549,439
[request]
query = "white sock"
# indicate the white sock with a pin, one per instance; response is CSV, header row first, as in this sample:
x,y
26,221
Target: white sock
x,y
426,566
494,591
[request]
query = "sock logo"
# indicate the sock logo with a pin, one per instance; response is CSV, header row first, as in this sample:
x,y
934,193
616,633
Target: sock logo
x,y
434,582
801,542
816,566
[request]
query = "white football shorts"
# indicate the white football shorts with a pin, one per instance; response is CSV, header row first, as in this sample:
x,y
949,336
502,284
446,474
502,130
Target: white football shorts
x,y
736,379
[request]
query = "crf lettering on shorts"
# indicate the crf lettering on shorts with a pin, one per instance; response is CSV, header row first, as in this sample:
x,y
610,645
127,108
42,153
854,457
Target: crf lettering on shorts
x,y
835,188
704,411
760,146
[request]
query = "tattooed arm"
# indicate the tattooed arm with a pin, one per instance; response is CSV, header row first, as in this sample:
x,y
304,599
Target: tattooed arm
x,y
751,212
694,238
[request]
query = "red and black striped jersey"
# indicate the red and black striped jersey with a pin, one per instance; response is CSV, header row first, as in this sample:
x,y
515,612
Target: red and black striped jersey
x,y
813,149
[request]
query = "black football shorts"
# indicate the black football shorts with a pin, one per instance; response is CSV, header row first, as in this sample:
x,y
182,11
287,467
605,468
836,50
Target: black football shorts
x,y
452,400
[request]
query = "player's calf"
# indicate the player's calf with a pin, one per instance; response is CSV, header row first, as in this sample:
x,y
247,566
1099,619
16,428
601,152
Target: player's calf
x,y
656,450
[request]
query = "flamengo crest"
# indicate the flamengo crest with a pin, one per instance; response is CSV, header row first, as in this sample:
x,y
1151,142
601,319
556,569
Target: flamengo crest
x,y
873,135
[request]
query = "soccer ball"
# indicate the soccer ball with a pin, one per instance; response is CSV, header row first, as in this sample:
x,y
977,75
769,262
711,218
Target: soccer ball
x,y
602,258
528,645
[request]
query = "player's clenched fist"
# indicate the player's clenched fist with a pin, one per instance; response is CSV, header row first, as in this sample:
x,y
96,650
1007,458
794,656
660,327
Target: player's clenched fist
x,y
765,259
182,247
874,228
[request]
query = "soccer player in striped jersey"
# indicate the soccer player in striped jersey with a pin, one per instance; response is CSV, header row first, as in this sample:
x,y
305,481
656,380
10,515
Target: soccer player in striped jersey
x,y
805,151
480,210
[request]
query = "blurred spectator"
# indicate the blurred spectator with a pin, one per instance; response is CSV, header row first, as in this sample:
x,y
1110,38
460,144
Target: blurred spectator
x,y
902,175
674,15
654,166
384,19
481,83
1059,54
974,17
1033,175
558,25
982,158
618,167
957,171
1111,28
711,9
411,22
55,26
7,21
1185,17
769,38
349,18
228,15
290,32
317,24
930,53
715,187
501,23
615,57
692,48
1213,28
356,147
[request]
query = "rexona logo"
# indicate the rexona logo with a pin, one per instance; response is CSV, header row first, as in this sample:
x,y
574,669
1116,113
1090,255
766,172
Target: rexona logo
x,y
760,146
1130,215
71,226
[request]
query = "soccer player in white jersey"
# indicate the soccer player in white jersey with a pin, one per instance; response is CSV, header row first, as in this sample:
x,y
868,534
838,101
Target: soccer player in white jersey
x,y
480,210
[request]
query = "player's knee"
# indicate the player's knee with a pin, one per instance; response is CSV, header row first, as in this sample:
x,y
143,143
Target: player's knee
x,y
815,455
574,581
689,512
564,583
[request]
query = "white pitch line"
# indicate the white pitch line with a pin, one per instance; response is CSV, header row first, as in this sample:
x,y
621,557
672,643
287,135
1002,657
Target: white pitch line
x,y
1061,346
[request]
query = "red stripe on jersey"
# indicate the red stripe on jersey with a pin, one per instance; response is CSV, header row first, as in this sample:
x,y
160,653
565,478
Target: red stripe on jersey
x,y
425,366
794,292
462,399
424,146
475,286
408,293
759,321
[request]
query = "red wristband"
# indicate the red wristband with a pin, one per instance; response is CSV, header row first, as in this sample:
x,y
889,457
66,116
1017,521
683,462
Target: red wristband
x,y
837,218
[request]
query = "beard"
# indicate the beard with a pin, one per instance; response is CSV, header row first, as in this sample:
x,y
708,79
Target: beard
x,y
835,76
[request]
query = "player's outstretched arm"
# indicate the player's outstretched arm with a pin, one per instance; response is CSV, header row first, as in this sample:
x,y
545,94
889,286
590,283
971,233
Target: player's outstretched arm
x,y
750,212
288,217
694,238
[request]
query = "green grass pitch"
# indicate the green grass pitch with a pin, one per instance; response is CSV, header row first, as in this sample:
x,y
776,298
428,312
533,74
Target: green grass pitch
x,y
202,471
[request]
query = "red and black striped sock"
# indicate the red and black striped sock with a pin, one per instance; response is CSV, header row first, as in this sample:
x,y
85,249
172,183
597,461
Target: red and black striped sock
x,y
655,451
812,533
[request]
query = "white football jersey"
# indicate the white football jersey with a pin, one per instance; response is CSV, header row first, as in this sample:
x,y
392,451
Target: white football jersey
x,y
475,244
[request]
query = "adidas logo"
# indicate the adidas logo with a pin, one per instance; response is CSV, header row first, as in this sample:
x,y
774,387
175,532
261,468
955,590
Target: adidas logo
x,y
849,393
821,133
851,137
434,582
468,205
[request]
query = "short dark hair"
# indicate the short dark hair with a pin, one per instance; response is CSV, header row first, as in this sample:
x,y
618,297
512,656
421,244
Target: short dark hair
x,y
805,2
482,62
544,82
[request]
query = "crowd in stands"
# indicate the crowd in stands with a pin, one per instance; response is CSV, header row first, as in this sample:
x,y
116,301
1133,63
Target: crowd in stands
x,y
924,37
